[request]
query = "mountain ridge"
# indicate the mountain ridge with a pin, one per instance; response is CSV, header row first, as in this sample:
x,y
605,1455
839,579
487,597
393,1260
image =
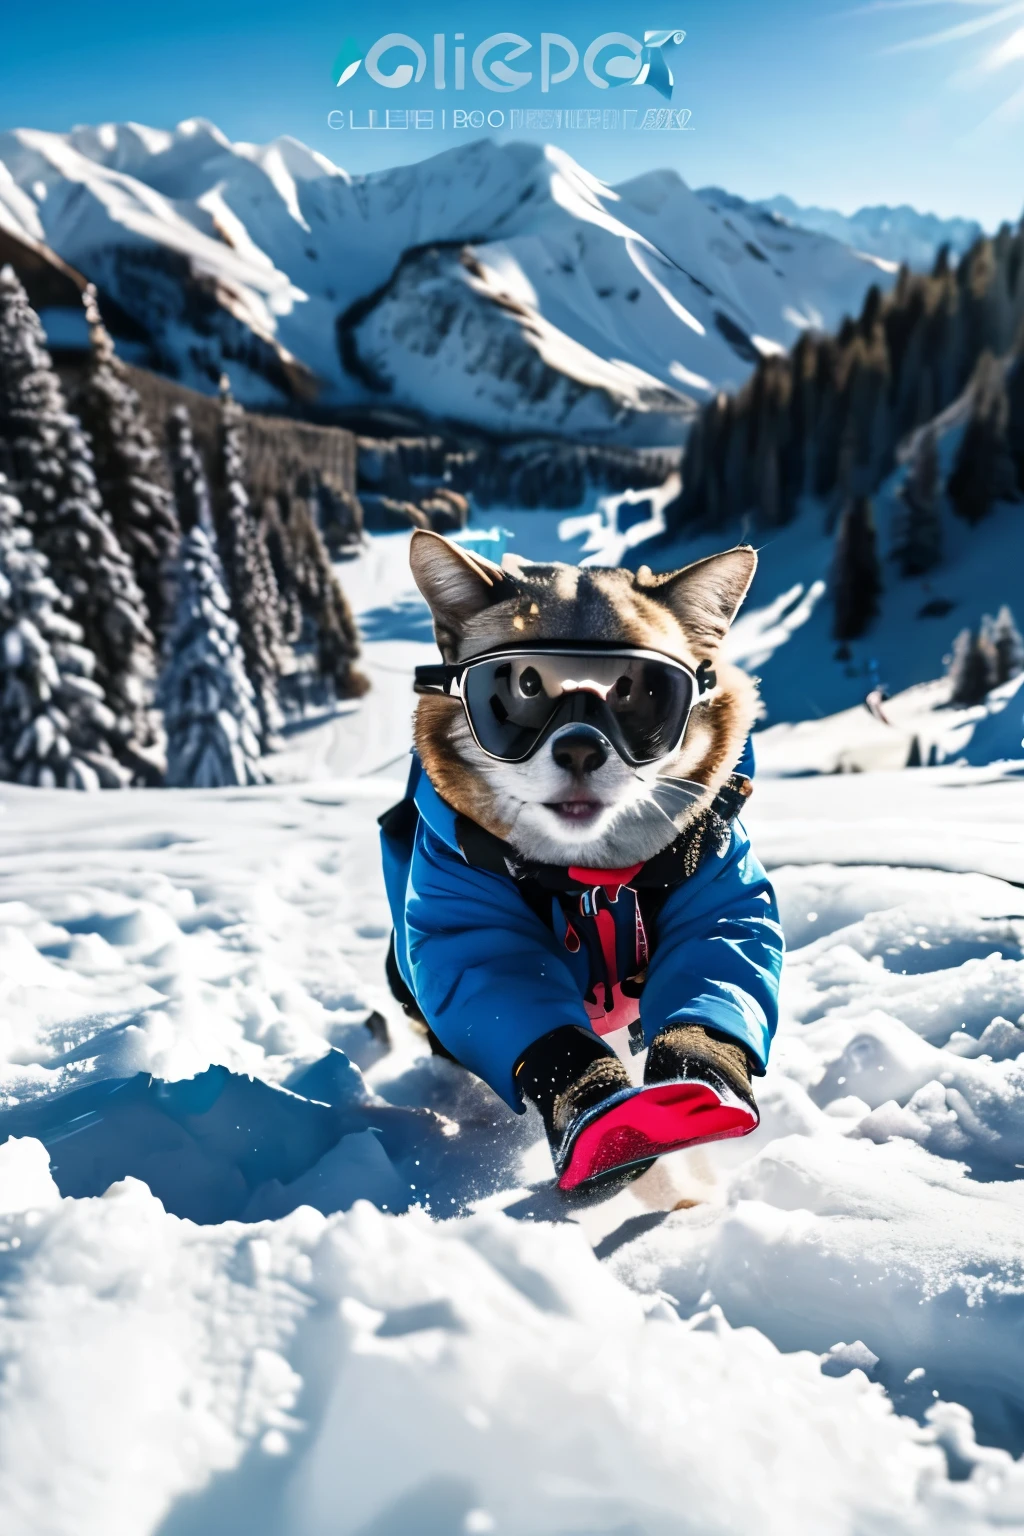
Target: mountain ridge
x,y
623,308
900,233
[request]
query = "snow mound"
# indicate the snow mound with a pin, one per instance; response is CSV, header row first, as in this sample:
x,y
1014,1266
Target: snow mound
x,y
220,1146
25,1180
366,1373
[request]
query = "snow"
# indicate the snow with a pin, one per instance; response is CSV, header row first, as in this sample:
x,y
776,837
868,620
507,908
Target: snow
x,y
819,1325
618,523
25,1181
954,819
633,292
852,740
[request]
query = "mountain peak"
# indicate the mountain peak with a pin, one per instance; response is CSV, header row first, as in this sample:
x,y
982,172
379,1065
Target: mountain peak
x,y
201,129
431,287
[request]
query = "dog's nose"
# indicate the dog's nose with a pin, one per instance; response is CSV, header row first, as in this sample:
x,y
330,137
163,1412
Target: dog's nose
x,y
581,750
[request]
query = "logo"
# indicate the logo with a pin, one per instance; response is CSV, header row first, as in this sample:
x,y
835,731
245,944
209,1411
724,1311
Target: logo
x,y
612,59
348,61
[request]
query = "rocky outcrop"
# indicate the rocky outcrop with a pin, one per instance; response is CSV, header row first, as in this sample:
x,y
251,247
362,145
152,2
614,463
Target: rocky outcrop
x,y
445,329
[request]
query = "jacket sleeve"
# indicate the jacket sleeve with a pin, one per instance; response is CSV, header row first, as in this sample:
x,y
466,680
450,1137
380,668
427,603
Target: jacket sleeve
x,y
486,972
717,956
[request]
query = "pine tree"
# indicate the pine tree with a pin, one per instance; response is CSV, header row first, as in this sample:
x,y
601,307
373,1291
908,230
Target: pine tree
x,y
841,403
129,469
255,602
918,536
1015,418
209,706
984,472
317,610
32,408
91,568
972,668
56,485
188,477
1008,646
857,572
54,724
297,626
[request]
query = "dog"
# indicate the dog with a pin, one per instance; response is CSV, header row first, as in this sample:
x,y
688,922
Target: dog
x,y
551,811
575,894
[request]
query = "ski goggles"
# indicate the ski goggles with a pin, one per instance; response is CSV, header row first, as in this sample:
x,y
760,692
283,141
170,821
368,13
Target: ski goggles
x,y
516,699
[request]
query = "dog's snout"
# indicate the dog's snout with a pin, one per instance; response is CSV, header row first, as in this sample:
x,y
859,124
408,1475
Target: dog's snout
x,y
580,751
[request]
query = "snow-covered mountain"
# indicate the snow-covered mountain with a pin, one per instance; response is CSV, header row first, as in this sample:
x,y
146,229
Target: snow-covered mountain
x,y
895,234
500,286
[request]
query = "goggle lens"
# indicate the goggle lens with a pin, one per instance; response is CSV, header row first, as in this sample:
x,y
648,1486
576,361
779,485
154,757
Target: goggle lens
x,y
513,700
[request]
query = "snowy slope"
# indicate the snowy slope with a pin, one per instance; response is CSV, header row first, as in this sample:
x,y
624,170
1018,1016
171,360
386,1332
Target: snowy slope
x,y
618,306
798,1326
856,740
785,633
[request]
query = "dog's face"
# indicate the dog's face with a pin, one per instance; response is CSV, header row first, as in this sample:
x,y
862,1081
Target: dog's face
x,y
571,803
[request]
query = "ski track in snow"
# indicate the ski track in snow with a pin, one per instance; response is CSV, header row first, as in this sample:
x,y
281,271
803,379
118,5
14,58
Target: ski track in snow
x,y
799,1324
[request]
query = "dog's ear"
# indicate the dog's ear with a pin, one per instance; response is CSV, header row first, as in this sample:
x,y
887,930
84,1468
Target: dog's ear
x,y
455,582
704,597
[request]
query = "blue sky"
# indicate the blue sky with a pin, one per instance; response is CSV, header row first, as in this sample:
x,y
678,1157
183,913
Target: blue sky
x,y
841,104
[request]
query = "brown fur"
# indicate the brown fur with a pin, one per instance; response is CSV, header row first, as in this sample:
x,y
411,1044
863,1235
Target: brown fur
x,y
454,776
478,606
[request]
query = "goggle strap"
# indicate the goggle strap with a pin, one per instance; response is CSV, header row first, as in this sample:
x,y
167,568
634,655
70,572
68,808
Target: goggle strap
x,y
439,676
436,678
706,678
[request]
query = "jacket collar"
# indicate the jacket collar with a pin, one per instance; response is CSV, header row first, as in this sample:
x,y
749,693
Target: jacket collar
x,y
437,813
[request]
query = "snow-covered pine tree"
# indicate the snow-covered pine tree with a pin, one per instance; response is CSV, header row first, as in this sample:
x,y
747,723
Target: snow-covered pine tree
x,y
32,407
1007,644
54,724
129,469
972,667
90,566
56,485
210,712
856,571
918,533
255,602
188,476
984,471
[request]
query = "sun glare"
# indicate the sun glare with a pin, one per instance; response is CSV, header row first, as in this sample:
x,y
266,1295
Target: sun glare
x,y
987,44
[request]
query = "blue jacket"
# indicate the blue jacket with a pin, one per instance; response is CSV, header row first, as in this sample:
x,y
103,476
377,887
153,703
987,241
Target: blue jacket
x,y
490,977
